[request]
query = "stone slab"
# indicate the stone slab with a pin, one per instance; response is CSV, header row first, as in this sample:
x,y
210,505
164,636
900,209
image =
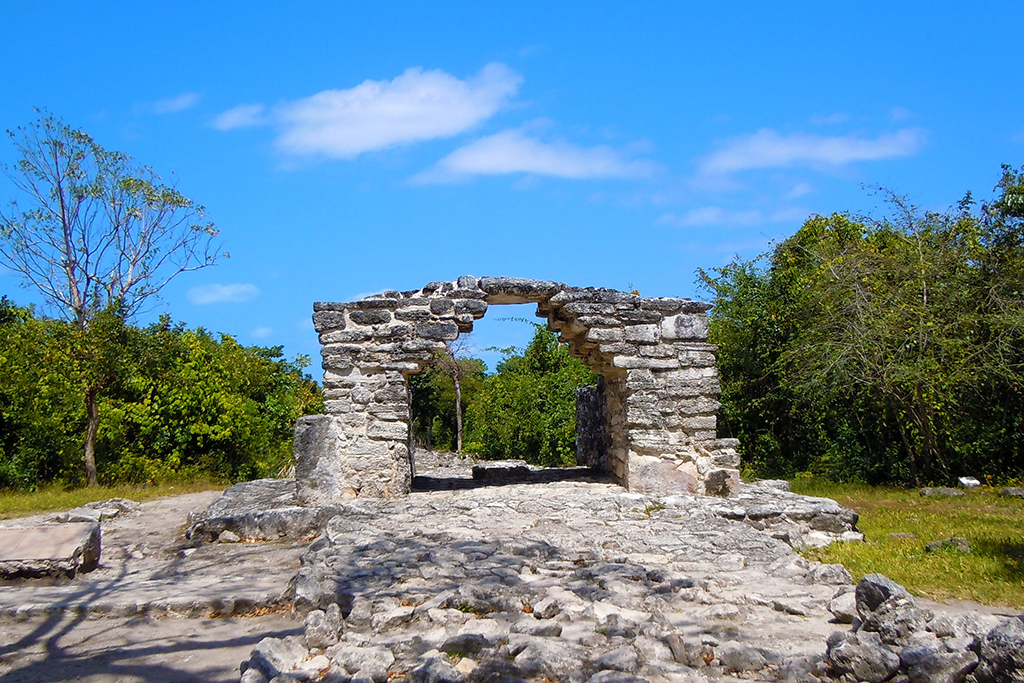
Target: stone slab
x,y
48,550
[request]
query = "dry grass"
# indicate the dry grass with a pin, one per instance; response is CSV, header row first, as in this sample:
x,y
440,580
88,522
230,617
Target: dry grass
x,y
992,573
55,498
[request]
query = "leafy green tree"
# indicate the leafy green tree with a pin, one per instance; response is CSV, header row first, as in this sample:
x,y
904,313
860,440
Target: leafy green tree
x,y
178,403
437,409
879,349
527,409
93,233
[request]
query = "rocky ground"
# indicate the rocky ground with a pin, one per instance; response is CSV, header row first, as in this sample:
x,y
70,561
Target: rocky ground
x,y
566,578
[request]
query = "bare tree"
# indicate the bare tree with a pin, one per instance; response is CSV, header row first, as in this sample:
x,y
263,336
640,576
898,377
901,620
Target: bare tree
x,y
451,364
95,233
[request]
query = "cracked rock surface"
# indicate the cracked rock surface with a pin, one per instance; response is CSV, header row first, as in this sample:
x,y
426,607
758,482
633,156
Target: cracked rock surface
x,y
564,581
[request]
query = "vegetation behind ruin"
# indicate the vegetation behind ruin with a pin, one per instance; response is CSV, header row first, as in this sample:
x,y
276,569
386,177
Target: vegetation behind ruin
x,y
880,350
177,403
525,410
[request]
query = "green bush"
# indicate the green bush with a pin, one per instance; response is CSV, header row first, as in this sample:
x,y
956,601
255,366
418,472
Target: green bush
x,y
525,410
882,351
181,403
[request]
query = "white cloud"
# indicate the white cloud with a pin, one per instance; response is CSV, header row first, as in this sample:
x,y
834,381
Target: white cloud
x,y
716,215
510,151
417,105
220,294
242,116
262,332
769,149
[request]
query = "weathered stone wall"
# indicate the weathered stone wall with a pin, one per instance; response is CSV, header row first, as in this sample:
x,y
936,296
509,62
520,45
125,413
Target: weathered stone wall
x,y
660,391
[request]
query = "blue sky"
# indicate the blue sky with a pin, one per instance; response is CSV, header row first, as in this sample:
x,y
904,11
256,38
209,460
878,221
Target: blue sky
x,y
344,150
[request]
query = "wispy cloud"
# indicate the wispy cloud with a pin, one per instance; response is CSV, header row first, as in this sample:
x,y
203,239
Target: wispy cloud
x,y
900,114
770,149
222,294
716,215
415,106
170,105
262,332
799,190
242,116
829,119
512,151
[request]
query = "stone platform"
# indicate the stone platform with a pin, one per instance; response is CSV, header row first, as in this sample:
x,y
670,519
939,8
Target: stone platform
x,y
49,550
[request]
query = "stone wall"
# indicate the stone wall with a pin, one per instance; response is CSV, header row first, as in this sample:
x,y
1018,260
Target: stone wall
x,y
660,383
592,434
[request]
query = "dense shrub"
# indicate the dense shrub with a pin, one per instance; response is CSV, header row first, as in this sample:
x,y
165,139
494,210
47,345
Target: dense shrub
x,y
177,402
525,410
880,350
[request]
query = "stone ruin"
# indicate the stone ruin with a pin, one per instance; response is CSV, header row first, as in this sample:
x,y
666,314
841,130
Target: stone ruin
x,y
649,423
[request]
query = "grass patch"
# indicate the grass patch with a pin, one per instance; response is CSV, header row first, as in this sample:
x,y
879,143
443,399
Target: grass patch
x,y
992,573
57,498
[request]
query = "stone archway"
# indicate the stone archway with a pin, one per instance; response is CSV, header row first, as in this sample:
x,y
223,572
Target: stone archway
x,y
650,422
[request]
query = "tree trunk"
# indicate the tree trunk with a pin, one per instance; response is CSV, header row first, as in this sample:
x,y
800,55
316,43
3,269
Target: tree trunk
x,y
458,415
430,432
92,425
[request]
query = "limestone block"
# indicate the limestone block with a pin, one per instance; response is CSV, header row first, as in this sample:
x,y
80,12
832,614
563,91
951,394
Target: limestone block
x,y
697,406
639,379
366,304
473,307
395,431
658,351
389,412
657,441
697,358
328,320
642,334
338,407
413,314
333,463
654,476
664,304
318,445
685,326
515,290
691,373
345,336
49,550
681,386
605,334
442,306
393,332
699,422
641,316
599,321
350,350
337,363
377,316
410,366
630,362
442,331
589,308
